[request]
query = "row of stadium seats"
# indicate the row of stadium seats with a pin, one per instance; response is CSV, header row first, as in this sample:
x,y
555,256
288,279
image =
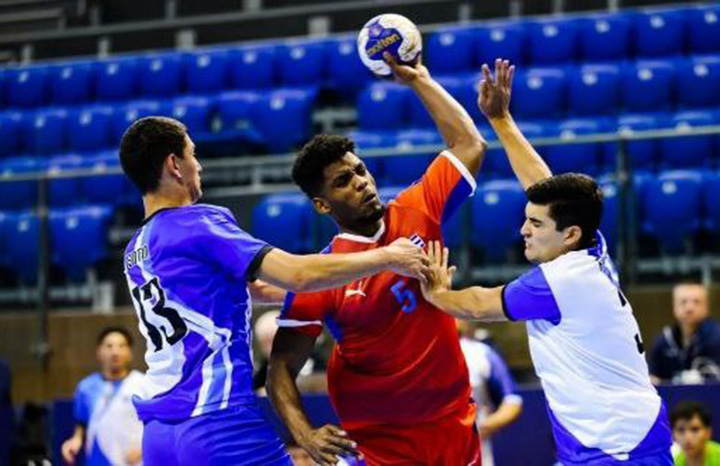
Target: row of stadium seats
x,y
278,119
78,240
598,89
334,63
672,207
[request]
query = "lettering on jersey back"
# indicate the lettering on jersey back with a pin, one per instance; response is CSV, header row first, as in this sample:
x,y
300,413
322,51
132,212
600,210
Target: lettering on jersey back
x,y
133,258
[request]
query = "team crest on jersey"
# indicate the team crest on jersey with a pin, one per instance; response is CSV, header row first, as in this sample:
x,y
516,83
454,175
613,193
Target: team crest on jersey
x,y
417,241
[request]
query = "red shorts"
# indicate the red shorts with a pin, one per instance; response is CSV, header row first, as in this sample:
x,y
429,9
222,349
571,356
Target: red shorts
x,y
450,441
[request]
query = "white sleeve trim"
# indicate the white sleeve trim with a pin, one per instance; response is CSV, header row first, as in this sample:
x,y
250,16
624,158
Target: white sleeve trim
x,y
513,399
297,323
462,169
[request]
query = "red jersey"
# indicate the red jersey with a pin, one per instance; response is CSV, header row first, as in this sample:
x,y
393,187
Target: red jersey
x,y
397,359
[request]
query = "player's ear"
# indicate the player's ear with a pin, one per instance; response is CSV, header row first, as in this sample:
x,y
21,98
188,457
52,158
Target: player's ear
x,y
321,206
173,166
573,236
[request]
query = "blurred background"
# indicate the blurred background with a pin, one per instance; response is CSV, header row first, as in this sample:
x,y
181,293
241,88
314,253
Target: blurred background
x,y
627,91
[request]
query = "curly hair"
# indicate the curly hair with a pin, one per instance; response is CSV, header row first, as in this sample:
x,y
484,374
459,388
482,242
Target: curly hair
x,y
321,151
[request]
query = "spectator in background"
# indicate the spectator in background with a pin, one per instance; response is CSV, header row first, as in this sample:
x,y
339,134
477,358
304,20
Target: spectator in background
x,y
106,422
493,388
692,430
7,423
689,350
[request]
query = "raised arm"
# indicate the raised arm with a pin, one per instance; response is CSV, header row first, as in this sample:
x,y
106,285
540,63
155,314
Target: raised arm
x,y
455,125
316,272
494,102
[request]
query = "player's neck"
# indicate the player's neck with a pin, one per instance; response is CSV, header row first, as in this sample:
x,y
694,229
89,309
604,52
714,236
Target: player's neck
x,y
368,230
158,201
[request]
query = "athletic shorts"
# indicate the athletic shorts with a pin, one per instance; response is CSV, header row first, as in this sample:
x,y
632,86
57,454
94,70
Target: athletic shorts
x,y
234,436
658,459
451,441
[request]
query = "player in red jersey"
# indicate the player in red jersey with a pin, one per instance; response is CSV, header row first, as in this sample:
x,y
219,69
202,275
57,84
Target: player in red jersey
x,y
397,377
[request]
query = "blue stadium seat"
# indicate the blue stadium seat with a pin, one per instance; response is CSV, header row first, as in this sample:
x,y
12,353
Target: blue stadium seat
x,y
3,87
539,93
501,40
660,33
384,106
583,157
19,194
236,110
348,75
699,82
284,118
648,86
48,132
410,164
642,153
206,71
608,223
711,206
369,140
672,208
89,128
284,220
704,29
128,113
553,41
193,112
253,67
455,229
497,215
161,75
691,151
72,83
452,50
419,117
23,241
110,189
118,79
11,133
605,37
27,87
302,63
79,238
594,89
496,163
64,191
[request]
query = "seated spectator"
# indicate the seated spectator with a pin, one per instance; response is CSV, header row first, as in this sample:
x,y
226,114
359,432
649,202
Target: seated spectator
x,y
692,430
689,350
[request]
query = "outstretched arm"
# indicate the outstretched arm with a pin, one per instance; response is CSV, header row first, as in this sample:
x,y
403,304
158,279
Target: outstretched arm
x,y
494,102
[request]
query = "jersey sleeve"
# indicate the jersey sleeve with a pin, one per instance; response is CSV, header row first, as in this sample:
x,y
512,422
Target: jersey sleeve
x,y
81,409
501,385
306,312
235,252
529,297
442,189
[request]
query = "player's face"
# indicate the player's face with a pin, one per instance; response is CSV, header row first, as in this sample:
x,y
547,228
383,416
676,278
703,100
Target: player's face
x,y
190,170
691,435
349,194
690,304
543,242
114,353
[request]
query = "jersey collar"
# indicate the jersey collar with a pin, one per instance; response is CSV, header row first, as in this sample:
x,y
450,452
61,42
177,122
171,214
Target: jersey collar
x,y
364,239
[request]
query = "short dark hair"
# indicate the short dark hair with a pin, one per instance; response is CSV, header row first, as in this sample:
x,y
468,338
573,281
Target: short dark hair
x,y
114,329
686,410
145,146
574,199
321,151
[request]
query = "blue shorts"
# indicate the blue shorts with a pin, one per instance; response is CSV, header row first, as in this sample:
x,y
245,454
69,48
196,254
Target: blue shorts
x,y
234,436
658,459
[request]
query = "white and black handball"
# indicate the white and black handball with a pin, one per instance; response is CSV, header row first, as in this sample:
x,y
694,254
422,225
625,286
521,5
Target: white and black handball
x,y
390,33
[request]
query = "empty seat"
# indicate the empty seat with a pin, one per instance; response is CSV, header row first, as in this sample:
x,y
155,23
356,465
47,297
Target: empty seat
x,y
72,83
161,75
236,110
497,216
3,87
348,75
79,238
127,114
27,87
253,67
118,79
704,29
23,245
11,133
193,112
642,154
371,140
582,157
455,229
89,129
660,32
452,50
672,208
418,115
690,151
501,40
609,220
539,93
496,162
105,187
206,71
553,41
284,118
711,206
19,194
699,82
64,191
48,132
302,63
284,220
594,89
411,162
648,86
605,37
383,106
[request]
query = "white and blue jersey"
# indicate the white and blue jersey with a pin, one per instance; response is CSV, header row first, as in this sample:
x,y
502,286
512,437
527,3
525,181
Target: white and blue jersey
x,y
104,408
187,270
587,351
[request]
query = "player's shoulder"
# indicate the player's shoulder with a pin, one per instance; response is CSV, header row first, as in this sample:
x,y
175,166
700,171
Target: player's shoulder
x,y
91,383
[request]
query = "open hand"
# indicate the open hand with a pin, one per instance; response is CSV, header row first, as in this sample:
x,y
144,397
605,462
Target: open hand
x,y
439,275
494,94
326,443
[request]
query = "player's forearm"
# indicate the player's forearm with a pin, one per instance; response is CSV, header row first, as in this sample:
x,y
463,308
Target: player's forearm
x,y
266,293
505,415
285,398
454,123
474,303
527,164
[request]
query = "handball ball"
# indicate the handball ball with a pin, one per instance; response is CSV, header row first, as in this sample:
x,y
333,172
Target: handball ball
x,y
389,33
